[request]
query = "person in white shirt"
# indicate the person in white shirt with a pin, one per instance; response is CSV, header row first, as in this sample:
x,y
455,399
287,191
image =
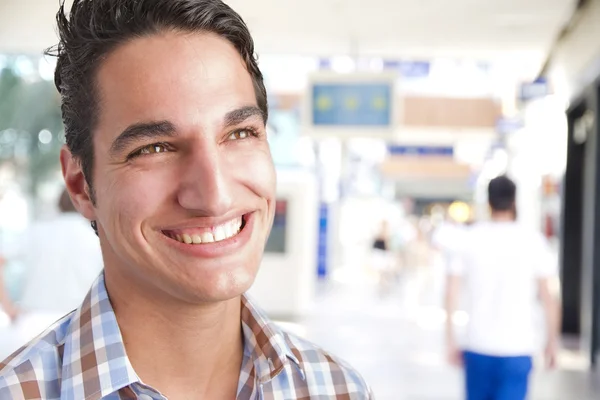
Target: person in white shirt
x,y
62,258
503,270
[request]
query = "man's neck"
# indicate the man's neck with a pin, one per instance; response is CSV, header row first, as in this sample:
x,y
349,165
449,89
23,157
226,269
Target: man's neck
x,y
180,348
503,216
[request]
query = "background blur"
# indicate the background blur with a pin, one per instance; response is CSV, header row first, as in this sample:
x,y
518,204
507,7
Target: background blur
x,y
459,92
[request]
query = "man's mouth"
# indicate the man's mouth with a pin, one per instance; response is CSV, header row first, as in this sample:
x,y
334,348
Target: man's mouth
x,y
213,234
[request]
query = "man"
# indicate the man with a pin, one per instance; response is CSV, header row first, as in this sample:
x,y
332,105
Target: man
x,y
165,111
503,268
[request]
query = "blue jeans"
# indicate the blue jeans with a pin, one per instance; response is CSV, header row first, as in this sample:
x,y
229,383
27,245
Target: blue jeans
x,y
496,378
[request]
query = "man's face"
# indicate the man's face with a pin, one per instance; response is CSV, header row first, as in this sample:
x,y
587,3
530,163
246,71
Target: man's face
x,y
183,175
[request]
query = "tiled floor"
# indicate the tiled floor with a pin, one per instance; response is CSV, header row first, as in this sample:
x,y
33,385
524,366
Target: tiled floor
x,y
397,345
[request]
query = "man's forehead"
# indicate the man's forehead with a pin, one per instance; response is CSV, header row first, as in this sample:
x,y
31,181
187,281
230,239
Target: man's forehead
x,y
169,76
201,64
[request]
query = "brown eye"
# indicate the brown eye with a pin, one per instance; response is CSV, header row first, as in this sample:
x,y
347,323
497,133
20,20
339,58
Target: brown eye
x,y
240,134
154,148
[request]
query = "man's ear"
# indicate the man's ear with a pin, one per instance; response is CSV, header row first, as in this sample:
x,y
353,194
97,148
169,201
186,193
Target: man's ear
x,y
76,184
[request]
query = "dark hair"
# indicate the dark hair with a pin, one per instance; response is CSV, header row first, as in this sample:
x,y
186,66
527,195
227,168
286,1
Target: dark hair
x,y
96,27
502,193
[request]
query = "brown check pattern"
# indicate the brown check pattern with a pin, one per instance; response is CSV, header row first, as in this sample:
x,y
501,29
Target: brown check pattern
x,y
82,356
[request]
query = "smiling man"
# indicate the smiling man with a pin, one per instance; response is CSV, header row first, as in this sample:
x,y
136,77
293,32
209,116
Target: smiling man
x,y
165,111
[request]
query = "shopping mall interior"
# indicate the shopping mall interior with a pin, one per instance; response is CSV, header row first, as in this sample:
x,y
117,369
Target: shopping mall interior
x,y
386,114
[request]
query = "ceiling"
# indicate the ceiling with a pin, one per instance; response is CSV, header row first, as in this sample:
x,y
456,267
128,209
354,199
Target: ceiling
x,y
462,28
483,29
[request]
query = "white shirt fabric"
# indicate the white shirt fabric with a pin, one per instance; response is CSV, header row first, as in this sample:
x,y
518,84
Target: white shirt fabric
x,y
448,236
501,263
62,258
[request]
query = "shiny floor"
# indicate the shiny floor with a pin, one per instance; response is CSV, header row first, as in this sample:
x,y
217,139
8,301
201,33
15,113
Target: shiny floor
x,y
395,341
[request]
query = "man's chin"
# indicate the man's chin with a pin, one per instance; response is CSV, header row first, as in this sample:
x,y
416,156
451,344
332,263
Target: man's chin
x,y
215,286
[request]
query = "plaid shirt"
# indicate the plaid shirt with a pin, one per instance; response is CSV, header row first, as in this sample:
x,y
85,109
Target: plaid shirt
x,y
82,356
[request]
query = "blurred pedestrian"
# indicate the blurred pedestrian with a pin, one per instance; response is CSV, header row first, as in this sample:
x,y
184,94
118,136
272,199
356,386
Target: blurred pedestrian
x,y
504,269
6,304
383,258
62,258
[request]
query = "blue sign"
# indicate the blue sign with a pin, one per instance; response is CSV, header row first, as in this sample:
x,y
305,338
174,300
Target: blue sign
x,y
352,104
324,63
533,90
398,150
322,243
409,69
509,125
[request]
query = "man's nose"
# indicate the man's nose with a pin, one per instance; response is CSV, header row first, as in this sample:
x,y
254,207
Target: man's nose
x,y
205,186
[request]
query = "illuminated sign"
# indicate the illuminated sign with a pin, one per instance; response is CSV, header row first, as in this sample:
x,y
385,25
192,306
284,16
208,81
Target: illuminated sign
x,y
351,105
354,104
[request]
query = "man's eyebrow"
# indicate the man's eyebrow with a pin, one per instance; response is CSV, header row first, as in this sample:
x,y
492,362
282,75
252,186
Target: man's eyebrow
x,y
153,129
240,115
144,130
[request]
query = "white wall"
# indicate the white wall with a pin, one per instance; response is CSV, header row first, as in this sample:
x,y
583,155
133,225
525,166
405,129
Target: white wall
x,y
539,149
27,26
576,59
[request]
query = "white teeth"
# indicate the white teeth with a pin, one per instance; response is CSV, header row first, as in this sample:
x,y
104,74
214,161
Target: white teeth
x,y
219,233
227,230
207,237
235,225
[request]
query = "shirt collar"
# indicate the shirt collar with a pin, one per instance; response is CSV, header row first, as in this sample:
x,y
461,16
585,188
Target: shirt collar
x,y
267,344
95,363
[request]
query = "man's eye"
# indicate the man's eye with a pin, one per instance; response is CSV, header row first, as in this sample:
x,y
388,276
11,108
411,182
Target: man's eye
x,y
154,148
241,134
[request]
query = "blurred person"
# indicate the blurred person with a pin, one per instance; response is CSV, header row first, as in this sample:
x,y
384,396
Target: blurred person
x,y
403,234
419,248
59,270
417,267
62,265
445,239
447,236
165,112
504,269
6,303
383,257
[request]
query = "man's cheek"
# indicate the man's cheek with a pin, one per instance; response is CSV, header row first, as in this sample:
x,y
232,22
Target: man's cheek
x,y
140,191
125,204
262,175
